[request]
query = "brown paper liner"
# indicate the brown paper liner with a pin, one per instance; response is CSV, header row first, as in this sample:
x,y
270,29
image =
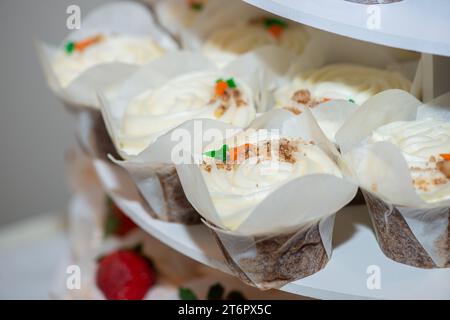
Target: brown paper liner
x,y
178,207
271,262
395,238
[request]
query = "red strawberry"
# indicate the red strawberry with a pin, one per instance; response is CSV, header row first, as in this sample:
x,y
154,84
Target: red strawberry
x,y
125,275
117,222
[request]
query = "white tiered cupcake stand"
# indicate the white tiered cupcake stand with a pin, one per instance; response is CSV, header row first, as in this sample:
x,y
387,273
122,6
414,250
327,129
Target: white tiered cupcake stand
x,y
358,269
422,26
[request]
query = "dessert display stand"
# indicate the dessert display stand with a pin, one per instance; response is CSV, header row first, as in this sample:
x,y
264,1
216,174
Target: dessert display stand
x,y
358,269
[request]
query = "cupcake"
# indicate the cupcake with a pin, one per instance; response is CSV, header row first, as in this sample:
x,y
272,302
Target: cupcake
x,y
240,181
161,96
203,94
103,53
424,145
261,191
338,81
402,164
226,43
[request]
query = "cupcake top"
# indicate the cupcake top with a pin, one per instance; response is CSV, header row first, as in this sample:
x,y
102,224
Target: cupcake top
x,y
245,169
190,96
225,44
79,56
351,82
345,81
425,146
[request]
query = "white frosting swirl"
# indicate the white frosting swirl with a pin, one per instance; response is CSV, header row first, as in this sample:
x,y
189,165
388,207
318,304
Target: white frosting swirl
x,y
190,96
114,48
225,44
422,144
342,81
237,188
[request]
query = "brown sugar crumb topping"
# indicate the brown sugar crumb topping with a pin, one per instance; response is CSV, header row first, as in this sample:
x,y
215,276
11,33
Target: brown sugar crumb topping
x,y
442,166
304,97
229,95
285,151
439,181
421,184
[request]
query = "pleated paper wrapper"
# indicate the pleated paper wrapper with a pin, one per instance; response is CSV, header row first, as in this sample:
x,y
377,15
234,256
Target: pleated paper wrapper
x,y
408,229
288,235
126,18
159,183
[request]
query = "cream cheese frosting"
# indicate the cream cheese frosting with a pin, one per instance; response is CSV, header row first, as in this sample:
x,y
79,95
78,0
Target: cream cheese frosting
x,y
113,48
351,82
190,96
255,167
425,144
225,44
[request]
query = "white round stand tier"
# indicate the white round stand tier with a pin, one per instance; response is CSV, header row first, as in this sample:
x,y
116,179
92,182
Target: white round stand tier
x,y
418,25
355,253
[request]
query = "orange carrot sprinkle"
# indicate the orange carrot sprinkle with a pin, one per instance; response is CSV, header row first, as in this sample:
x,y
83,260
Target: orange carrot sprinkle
x,y
83,44
275,30
234,152
326,99
221,87
445,156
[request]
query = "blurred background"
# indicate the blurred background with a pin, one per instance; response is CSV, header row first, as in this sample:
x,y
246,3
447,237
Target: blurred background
x,y
35,133
35,130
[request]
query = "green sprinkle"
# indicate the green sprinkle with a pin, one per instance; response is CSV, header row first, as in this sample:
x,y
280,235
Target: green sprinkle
x,y
186,294
197,6
268,22
70,47
211,154
231,83
351,100
220,154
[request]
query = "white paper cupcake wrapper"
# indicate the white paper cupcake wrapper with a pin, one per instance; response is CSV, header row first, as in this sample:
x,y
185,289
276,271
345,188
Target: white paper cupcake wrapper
x,y
388,180
118,17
